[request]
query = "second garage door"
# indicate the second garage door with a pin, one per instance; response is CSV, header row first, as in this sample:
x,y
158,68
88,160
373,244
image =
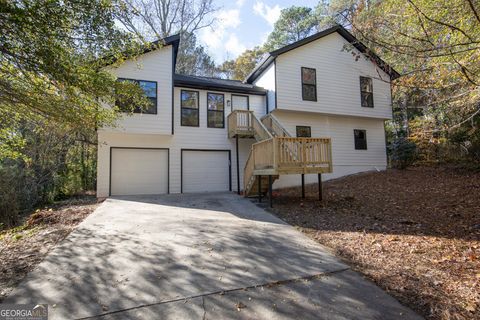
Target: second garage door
x,y
205,171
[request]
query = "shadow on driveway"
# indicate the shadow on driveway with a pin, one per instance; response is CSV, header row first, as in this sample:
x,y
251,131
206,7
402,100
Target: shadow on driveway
x,y
140,256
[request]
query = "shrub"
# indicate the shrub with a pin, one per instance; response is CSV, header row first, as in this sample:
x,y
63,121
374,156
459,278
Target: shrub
x,y
403,153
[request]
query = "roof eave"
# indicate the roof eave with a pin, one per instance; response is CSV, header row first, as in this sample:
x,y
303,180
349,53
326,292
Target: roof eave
x,y
218,87
337,28
259,69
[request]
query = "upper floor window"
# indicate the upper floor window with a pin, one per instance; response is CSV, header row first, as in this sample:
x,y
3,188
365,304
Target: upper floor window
x,y
150,90
366,90
304,132
309,84
189,108
360,139
215,110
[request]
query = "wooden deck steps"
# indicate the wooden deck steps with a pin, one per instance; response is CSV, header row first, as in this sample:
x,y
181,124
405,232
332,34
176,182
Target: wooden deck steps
x,y
276,152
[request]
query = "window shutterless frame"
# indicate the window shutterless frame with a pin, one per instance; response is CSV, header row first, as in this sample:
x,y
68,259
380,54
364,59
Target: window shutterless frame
x,y
366,92
189,109
360,137
210,112
153,99
303,131
309,84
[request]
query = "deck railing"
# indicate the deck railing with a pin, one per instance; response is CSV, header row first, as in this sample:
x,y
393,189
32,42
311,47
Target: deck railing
x,y
287,155
275,126
309,154
245,123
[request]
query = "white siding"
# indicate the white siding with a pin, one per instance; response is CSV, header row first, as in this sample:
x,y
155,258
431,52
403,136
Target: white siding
x,y
338,84
152,66
346,160
267,81
184,138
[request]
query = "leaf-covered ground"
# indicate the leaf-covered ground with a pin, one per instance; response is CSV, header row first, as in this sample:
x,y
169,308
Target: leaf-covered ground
x,y
22,248
415,232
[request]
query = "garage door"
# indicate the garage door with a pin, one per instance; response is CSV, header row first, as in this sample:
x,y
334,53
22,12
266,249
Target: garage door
x,y
205,171
138,171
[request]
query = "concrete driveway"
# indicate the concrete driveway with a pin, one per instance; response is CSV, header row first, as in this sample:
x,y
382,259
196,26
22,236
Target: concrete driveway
x,y
203,256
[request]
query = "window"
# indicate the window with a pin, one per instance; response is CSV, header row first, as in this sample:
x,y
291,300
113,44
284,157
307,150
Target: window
x,y
360,139
366,90
304,132
189,108
239,102
309,84
215,110
150,90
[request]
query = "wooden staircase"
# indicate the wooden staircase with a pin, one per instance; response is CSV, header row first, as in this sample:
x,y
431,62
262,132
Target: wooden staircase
x,y
276,152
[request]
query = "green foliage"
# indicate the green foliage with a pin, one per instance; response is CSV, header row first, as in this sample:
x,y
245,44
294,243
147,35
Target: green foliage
x,y
295,23
193,58
53,91
434,44
403,153
49,64
239,68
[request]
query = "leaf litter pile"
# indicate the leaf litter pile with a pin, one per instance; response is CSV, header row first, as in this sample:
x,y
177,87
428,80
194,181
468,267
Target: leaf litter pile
x,y
22,248
414,232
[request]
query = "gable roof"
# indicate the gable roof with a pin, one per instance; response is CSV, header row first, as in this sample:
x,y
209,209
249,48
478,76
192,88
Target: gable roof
x,y
270,57
207,83
173,40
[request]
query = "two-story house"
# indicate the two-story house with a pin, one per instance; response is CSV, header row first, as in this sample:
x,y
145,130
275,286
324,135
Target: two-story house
x,y
317,106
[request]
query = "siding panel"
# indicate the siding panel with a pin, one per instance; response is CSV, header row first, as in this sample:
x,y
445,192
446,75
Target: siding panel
x,y
346,160
152,66
338,83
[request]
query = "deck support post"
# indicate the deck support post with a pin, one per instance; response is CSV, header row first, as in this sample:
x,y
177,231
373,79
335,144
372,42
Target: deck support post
x,y
238,166
303,186
270,191
259,189
320,189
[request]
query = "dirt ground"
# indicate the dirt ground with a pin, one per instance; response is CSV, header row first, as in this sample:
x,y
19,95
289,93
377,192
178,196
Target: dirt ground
x,y
22,248
415,232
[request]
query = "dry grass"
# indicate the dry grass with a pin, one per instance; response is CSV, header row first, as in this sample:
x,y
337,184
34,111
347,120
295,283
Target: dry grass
x,y
415,232
24,247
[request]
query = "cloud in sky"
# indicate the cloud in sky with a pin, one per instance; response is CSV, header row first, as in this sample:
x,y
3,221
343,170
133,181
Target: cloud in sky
x,y
234,46
239,3
220,40
240,25
270,14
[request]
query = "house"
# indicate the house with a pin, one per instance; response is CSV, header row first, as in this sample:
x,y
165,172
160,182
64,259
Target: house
x,y
317,106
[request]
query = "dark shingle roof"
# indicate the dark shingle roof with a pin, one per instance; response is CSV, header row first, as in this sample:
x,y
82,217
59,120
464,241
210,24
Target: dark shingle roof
x,y
270,57
208,83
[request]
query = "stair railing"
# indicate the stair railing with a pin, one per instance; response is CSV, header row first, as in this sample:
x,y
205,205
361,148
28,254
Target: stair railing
x,y
276,128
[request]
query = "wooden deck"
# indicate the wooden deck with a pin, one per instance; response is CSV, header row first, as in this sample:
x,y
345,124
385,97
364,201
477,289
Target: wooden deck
x,y
276,152
286,155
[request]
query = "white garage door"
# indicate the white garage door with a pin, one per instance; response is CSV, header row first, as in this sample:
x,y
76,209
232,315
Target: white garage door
x,y
205,171
139,171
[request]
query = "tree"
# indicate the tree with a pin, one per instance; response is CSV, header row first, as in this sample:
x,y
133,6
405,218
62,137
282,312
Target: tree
x,y
52,93
155,19
295,23
239,68
49,60
193,58
435,45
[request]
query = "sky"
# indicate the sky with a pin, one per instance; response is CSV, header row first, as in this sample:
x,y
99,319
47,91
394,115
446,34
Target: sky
x,y
243,24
